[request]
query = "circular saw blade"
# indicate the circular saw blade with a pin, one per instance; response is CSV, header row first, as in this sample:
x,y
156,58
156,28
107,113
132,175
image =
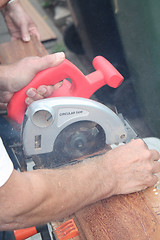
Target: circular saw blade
x,y
77,140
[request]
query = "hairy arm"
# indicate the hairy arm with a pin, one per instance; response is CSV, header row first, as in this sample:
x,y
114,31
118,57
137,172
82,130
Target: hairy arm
x,y
37,197
40,196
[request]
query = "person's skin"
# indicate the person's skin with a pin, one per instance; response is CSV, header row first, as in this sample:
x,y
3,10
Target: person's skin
x,y
3,3
19,24
15,76
41,196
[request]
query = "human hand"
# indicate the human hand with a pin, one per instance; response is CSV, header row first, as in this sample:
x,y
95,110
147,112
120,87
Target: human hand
x,y
41,92
3,3
15,76
19,24
131,167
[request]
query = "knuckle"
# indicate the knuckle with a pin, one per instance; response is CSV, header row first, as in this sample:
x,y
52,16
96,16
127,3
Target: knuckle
x,y
153,181
147,154
156,154
150,178
140,142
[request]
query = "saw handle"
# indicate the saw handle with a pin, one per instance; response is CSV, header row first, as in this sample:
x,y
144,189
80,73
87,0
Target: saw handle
x,y
80,86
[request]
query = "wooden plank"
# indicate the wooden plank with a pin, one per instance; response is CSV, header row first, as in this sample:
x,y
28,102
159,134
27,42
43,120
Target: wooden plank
x,y
11,52
152,196
46,33
134,216
120,217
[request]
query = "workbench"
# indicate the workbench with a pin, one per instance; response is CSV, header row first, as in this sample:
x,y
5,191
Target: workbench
x,y
125,217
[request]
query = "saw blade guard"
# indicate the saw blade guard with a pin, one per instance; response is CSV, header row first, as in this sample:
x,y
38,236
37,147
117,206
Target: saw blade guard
x,y
53,118
80,86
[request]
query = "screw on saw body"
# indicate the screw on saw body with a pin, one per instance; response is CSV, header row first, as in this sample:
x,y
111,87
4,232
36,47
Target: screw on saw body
x,y
122,136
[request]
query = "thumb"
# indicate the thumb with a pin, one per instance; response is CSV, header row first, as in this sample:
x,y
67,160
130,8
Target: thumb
x,y
29,67
48,61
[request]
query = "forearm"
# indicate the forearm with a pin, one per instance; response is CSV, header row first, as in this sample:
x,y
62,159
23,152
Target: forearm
x,y
40,196
44,195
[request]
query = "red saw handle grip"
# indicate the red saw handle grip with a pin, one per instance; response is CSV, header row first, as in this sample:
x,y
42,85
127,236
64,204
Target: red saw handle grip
x,y
81,86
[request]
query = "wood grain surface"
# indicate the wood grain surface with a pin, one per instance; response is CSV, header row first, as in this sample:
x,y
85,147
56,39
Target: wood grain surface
x,y
125,217
11,52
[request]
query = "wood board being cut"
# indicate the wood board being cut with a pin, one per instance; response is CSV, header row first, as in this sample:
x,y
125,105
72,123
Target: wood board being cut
x,y
11,52
46,33
124,217
133,216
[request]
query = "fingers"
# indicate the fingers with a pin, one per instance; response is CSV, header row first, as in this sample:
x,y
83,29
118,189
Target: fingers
x,y
41,92
153,181
37,64
140,142
3,106
33,95
47,91
133,166
19,74
47,61
4,99
34,31
155,155
156,167
25,33
5,96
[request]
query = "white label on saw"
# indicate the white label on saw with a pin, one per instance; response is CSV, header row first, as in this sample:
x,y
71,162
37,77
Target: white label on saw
x,y
66,114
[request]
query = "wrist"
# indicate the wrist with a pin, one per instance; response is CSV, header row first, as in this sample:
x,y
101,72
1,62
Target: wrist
x,y
108,179
100,175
